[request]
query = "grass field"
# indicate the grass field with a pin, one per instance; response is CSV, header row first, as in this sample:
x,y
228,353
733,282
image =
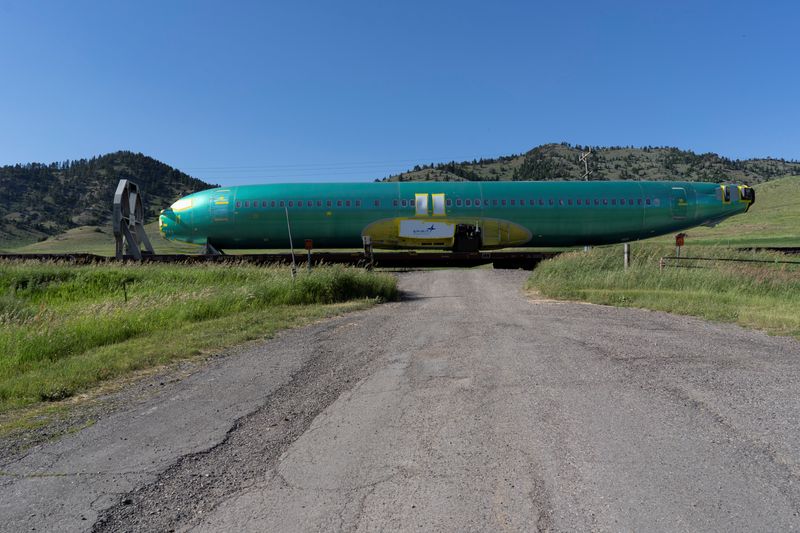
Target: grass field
x,y
65,329
765,296
100,240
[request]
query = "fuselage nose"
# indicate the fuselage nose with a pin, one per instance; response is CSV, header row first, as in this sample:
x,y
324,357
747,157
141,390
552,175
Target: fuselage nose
x,y
166,223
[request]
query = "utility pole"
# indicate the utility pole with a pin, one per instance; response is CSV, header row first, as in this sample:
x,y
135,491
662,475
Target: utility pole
x,y
584,158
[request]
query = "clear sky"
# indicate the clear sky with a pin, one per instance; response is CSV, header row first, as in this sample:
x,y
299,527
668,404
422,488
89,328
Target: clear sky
x,y
244,92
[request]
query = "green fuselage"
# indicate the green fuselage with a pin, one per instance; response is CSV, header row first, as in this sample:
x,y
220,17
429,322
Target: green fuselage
x,y
396,215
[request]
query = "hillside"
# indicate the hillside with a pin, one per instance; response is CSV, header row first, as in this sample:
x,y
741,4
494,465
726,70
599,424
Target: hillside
x,y
41,200
561,162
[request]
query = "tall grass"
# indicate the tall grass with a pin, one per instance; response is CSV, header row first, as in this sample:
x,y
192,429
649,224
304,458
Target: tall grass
x,y
55,319
760,295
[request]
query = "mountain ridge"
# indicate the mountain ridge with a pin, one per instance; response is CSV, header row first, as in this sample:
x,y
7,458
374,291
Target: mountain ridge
x,y
560,161
39,200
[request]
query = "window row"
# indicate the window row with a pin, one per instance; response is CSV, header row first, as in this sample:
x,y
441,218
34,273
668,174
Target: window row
x,y
468,202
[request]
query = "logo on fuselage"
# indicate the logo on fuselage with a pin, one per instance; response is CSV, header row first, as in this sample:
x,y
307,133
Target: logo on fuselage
x,y
424,231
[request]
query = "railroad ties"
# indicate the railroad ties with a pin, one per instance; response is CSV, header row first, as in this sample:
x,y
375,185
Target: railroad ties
x,y
504,259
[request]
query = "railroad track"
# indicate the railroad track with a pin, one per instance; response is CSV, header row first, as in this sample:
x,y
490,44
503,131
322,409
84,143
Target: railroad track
x,y
525,260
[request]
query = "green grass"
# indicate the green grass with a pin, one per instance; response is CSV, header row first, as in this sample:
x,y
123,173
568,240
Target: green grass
x,y
774,220
64,329
100,240
765,296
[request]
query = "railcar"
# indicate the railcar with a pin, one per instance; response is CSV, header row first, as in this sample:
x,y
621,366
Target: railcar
x,y
460,216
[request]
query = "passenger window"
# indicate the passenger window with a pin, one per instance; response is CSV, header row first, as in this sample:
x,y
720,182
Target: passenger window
x,y
404,202
569,201
477,202
647,201
630,201
272,203
347,203
605,201
377,203
358,203
238,204
494,202
513,202
560,201
458,202
468,202
300,203
247,203
639,201
310,203
319,203
613,201
449,202
338,203
541,201
291,203
579,201
329,203
283,204
394,202
551,202
503,201
522,202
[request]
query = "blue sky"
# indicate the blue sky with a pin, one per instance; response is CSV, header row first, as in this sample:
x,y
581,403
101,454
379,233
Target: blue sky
x,y
244,92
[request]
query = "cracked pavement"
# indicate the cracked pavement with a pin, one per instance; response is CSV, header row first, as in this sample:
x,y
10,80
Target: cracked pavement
x,y
467,406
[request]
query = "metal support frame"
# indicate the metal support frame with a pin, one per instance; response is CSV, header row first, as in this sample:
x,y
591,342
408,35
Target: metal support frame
x,y
128,222
368,253
626,252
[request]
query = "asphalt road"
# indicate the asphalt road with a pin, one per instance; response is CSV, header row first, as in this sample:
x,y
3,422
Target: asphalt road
x,y
467,406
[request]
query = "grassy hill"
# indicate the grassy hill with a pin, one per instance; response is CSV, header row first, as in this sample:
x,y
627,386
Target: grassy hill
x,y
40,200
100,240
561,162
